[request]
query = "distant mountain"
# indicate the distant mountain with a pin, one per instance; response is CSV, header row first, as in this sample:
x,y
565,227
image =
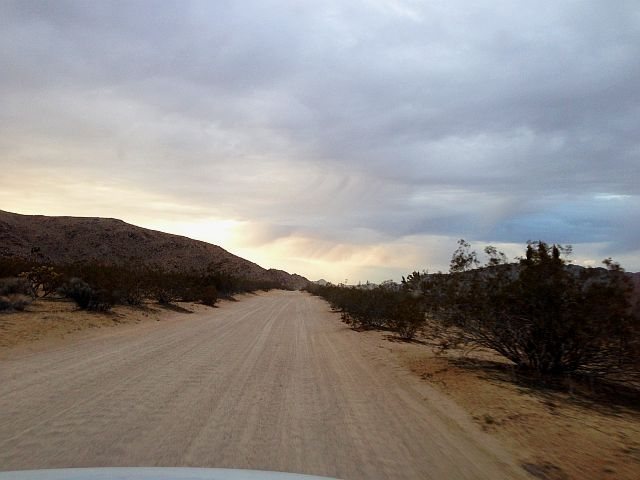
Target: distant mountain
x,y
64,240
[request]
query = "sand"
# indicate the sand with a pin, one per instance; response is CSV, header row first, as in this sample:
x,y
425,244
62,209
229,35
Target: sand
x,y
555,434
273,382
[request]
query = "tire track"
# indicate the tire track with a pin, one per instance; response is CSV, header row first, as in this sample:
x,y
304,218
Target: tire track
x,y
273,382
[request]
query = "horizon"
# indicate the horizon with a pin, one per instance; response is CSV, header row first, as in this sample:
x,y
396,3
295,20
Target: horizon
x,y
336,140
477,248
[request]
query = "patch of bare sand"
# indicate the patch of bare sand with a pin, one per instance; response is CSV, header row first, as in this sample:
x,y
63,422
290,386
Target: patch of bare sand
x,y
554,435
49,321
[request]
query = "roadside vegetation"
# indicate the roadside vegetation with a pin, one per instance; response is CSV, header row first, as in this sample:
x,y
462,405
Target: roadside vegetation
x,y
543,314
98,287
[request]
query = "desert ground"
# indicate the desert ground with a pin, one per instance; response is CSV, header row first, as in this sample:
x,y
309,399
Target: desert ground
x,y
556,432
272,382
275,381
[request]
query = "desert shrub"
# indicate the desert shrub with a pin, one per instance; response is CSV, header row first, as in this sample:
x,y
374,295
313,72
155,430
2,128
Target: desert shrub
x,y
127,284
407,317
541,313
5,303
79,291
86,297
131,295
209,295
370,308
13,266
167,287
19,301
15,285
361,307
14,302
42,278
14,294
225,284
115,283
131,287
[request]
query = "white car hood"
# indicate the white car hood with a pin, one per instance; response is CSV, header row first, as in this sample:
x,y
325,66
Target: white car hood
x,y
152,473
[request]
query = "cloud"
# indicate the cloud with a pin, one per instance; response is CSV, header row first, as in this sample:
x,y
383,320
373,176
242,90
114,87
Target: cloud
x,y
352,125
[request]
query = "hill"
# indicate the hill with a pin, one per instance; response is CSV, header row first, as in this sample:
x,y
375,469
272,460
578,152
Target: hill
x,y
63,240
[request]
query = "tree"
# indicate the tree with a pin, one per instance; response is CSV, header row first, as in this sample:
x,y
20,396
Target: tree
x,y
495,257
541,313
463,258
43,279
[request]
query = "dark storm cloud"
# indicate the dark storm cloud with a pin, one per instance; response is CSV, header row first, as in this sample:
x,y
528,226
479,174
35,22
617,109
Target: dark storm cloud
x,y
366,120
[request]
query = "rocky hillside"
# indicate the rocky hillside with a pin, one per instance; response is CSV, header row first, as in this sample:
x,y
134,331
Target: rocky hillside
x,y
74,239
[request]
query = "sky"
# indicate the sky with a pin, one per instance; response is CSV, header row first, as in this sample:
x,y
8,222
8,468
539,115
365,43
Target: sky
x,y
345,140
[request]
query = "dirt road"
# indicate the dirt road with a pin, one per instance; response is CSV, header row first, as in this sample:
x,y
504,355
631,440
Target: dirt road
x,y
273,382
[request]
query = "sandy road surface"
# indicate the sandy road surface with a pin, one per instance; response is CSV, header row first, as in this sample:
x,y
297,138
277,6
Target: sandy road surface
x,y
273,382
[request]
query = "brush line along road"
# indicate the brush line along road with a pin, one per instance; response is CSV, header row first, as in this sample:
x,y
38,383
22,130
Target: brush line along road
x,y
273,382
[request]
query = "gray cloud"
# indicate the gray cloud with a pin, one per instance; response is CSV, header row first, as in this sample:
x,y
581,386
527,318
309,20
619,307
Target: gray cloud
x,y
364,121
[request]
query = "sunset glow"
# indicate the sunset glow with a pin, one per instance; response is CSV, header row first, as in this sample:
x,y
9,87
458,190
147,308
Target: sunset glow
x,y
335,140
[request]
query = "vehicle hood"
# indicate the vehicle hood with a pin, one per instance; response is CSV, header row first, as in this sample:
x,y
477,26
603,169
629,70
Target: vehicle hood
x,y
153,473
